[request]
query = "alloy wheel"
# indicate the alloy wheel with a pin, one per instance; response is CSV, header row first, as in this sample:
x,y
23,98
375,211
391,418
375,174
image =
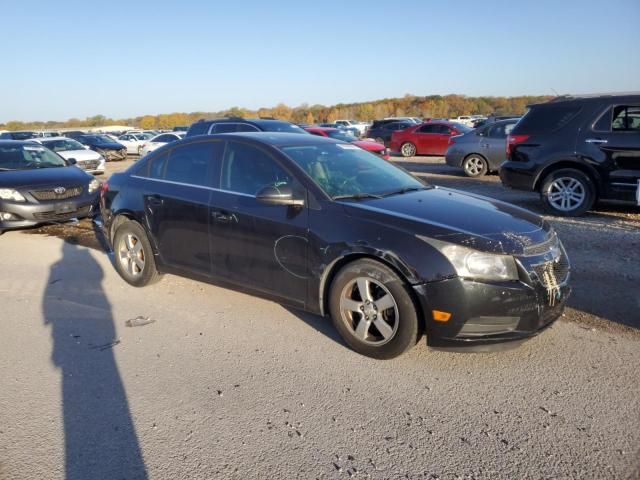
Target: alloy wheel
x,y
474,166
369,311
408,150
131,255
566,194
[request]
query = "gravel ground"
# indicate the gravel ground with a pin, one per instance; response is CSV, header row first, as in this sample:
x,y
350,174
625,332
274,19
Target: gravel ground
x,y
224,385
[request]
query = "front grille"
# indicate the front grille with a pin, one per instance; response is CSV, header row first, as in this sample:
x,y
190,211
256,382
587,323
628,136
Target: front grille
x,y
89,164
52,195
553,273
52,215
541,248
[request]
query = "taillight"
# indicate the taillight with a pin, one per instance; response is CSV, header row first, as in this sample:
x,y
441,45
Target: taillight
x,y
104,188
513,140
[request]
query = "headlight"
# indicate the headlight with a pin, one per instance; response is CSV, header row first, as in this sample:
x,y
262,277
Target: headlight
x,y
475,264
94,185
9,194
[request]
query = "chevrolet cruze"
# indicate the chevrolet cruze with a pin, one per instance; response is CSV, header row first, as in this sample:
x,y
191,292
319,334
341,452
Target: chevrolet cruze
x,y
327,227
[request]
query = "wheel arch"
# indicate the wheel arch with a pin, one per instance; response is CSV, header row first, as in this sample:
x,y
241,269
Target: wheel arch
x,y
122,217
583,167
334,267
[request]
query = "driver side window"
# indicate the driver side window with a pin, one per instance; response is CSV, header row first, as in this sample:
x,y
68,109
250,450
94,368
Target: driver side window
x,y
247,169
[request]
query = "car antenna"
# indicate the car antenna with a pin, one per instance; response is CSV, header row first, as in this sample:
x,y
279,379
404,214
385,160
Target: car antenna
x,y
554,91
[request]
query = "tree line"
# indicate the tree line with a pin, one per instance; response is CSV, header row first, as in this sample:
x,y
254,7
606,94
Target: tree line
x,y
433,106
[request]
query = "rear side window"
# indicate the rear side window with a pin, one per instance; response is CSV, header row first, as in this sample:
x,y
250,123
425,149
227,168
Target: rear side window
x,y
224,127
548,118
156,168
245,127
626,118
198,128
191,163
500,131
427,129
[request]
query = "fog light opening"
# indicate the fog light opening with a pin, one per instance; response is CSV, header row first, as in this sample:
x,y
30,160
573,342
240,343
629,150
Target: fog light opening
x,y
7,217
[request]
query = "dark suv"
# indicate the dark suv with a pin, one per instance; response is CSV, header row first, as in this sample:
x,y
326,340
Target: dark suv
x,y
576,150
237,124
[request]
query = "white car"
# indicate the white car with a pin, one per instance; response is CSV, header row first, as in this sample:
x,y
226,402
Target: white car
x,y
160,140
134,142
360,126
68,148
464,120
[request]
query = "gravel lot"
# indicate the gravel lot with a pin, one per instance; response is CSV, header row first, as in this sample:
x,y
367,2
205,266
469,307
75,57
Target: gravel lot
x,y
224,385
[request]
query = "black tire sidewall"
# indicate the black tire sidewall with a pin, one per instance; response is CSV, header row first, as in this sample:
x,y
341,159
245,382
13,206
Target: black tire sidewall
x,y
149,273
485,168
584,179
408,330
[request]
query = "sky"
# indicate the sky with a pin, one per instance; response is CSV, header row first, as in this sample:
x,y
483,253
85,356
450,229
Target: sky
x,y
74,59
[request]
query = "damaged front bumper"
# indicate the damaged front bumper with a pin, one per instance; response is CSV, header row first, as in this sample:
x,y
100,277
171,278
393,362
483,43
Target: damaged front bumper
x,y
487,313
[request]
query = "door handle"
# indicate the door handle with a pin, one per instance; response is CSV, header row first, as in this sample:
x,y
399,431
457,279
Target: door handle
x,y
155,201
596,141
223,217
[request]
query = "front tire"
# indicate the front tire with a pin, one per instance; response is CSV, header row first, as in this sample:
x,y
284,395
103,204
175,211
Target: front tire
x,y
567,192
475,166
373,311
408,149
134,258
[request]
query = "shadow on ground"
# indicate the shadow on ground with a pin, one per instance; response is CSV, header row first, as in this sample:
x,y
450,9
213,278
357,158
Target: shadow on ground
x,y
100,439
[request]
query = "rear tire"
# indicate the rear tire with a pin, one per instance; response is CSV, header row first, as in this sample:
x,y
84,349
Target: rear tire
x,y
134,259
475,166
568,192
408,149
373,311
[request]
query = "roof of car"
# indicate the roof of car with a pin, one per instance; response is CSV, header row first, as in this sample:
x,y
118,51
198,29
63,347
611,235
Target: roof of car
x,y
278,139
255,121
46,139
322,129
9,143
594,97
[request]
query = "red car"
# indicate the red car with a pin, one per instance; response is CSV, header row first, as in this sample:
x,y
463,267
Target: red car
x,y
373,147
429,138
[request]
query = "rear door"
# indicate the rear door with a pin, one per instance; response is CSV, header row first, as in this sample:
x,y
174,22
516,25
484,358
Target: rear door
x,y
614,142
441,139
261,246
177,203
426,138
494,143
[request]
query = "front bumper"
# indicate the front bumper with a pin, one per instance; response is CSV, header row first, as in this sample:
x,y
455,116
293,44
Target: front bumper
x,y
487,313
26,214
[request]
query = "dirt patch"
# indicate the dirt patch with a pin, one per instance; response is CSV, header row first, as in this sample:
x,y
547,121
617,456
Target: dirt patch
x,y
84,232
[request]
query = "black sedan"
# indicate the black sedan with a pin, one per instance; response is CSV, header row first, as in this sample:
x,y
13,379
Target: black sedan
x,y
110,150
480,151
327,227
38,186
381,130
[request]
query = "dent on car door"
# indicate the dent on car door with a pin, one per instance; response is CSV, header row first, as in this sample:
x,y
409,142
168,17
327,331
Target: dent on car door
x,y
177,204
253,244
614,142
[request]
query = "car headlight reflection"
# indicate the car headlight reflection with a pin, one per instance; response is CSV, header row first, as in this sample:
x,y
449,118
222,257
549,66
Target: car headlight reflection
x,y
474,264
10,194
94,185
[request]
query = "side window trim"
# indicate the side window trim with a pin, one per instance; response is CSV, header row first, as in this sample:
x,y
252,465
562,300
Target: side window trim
x,y
607,111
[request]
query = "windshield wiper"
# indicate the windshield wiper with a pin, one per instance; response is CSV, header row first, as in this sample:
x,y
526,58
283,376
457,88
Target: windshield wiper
x,y
404,190
356,196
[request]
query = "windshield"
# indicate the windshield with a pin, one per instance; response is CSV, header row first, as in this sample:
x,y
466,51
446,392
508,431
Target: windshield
x,y
281,127
25,157
97,139
62,145
343,135
346,170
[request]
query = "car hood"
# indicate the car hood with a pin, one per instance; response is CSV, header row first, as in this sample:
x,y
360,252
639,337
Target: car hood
x,y
38,177
370,146
80,155
452,216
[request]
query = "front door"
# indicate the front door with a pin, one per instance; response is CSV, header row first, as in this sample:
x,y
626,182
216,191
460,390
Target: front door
x,y
614,142
426,138
256,245
177,204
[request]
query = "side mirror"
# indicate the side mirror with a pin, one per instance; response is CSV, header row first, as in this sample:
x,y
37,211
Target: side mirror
x,y
282,195
71,161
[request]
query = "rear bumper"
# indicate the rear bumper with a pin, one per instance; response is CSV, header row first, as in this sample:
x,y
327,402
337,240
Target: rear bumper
x,y
518,175
454,157
487,313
